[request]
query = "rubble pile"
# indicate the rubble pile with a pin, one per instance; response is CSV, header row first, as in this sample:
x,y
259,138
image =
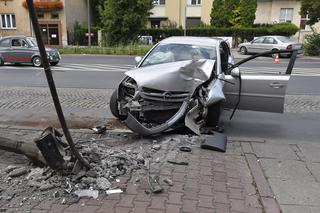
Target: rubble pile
x,y
108,165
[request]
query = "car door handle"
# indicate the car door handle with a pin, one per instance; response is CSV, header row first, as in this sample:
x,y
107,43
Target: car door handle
x,y
276,85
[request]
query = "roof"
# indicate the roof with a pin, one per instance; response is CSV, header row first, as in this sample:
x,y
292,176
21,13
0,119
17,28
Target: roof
x,y
203,41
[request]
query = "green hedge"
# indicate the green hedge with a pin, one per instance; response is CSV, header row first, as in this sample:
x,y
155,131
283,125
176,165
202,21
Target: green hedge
x,y
312,44
285,29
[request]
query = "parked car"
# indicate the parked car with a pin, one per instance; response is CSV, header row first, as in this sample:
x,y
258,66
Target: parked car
x,y
269,43
24,49
184,81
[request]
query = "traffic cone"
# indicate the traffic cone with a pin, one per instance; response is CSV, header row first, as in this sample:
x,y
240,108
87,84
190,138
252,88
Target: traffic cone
x,y
276,59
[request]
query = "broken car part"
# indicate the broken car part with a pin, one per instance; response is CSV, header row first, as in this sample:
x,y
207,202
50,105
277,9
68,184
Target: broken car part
x,y
216,142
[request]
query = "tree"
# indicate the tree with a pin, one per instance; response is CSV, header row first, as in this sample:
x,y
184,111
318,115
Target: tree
x,y
224,13
217,14
312,9
123,20
247,11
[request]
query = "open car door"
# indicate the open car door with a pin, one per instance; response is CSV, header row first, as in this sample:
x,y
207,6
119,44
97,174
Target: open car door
x,y
257,91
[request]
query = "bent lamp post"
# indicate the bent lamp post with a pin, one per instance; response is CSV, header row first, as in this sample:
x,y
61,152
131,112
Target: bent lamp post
x,y
52,86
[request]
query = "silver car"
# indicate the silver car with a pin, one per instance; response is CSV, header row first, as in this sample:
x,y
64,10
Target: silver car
x,y
184,81
269,43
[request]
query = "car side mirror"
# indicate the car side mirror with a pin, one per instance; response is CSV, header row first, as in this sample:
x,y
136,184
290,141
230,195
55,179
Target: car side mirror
x,y
138,59
235,72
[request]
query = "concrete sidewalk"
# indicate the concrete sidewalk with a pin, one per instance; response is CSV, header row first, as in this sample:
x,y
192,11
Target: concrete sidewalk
x,y
252,176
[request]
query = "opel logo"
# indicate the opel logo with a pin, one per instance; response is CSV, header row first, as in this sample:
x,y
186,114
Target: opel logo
x,y
167,95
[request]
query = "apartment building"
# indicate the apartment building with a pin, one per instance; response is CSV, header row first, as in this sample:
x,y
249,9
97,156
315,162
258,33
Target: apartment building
x,y
193,12
56,19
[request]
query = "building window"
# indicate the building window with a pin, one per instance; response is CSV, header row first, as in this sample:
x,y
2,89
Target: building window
x,y
155,24
55,16
40,15
286,15
8,21
194,2
193,22
159,2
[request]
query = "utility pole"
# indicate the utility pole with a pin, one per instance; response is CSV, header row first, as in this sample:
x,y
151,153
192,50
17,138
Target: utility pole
x,y
89,24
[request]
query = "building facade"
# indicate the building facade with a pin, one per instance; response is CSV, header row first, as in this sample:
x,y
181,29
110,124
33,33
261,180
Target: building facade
x,y
56,19
191,13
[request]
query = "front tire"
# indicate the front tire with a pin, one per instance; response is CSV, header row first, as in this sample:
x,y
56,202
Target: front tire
x,y
36,61
113,104
243,51
213,115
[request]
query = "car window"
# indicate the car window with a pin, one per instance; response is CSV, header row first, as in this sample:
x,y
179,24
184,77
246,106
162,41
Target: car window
x,y
16,42
258,40
5,43
269,40
284,39
166,53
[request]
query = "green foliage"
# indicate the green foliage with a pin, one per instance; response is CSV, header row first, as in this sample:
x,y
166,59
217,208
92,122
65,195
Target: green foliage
x,y
116,50
79,34
285,29
312,44
236,18
218,18
122,20
247,10
312,8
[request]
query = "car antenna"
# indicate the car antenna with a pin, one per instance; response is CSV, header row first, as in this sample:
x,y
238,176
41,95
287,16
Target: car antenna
x,y
51,84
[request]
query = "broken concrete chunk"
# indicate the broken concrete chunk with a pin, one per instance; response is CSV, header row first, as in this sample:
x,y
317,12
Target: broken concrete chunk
x,y
18,172
156,147
87,193
91,173
114,191
10,168
103,183
88,180
46,186
35,174
168,181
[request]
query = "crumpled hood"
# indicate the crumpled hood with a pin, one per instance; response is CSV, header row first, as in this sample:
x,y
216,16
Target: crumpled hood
x,y
182,76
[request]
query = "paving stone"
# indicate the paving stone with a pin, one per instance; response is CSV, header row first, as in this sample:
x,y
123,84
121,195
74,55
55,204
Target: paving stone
x,y
274,151
311,152
140,206
189,205
173,208
286,169
315,170
296,192
299,209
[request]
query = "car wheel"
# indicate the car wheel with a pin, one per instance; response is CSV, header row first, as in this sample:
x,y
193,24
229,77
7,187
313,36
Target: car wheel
x,y
114,106
54,63
275,54
213,115
1,62
243,50
36,61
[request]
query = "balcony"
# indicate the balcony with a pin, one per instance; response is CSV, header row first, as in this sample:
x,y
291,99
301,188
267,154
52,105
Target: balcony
x,y
45,5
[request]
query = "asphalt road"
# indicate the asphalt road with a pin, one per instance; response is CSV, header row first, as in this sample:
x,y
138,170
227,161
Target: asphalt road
x,y
104,72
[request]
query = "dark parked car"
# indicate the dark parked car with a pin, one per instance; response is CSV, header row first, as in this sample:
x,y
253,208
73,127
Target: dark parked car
x,y
24,49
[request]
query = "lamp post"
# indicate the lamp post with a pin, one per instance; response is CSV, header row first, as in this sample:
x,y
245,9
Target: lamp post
x,y
89,24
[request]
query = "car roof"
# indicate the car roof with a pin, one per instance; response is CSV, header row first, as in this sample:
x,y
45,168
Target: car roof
x,y
15,36
203,41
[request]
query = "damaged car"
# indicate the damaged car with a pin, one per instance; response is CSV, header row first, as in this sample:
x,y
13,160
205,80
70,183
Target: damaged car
x,y
186,81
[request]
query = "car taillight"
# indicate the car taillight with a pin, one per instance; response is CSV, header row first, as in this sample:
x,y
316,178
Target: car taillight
x,y
289,47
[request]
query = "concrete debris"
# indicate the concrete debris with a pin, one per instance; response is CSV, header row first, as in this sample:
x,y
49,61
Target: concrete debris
x,y
114,191
168,181
103,183
18,172
109,161
87,193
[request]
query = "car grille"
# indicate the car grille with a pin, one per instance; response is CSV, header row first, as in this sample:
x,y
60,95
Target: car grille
x,y
160,95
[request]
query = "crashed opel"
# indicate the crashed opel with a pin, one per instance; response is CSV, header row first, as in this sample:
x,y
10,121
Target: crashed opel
x,y
185,81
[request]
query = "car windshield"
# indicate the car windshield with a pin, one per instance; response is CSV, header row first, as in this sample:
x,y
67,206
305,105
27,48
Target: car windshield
x,y
166,53
284,39
32,42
